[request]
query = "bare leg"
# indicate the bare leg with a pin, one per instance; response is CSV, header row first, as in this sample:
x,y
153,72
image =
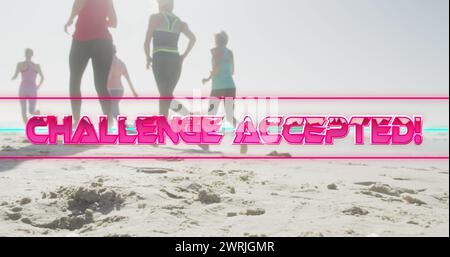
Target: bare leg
x,y
78,60
229,111
23,107
32,107
102,58
167,72
179,108
213,106
115,104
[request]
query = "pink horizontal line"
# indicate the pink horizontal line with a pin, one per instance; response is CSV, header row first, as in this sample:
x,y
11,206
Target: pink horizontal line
x,y
224,158
237,98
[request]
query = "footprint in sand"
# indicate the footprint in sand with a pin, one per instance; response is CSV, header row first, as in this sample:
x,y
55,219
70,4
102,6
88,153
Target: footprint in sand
x,y
356,211
154,170
220,173
412,200
402,179
411,222
171,194
13,215
277,154
73,168
443,199
206,197
366,183
25,201
384,189
254,212
332,187
7,148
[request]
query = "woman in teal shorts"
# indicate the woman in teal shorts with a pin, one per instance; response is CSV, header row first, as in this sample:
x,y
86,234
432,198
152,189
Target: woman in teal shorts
x,y
223,85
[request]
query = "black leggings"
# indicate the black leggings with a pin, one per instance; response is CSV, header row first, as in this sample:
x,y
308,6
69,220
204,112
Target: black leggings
x,y
101,53
167,72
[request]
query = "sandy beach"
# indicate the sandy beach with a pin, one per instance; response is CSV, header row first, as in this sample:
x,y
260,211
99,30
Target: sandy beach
x,y
216,198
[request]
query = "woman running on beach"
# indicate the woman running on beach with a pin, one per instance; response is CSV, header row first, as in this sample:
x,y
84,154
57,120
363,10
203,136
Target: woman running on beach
x,y
91,41
28,86
223,86
164,29
115,86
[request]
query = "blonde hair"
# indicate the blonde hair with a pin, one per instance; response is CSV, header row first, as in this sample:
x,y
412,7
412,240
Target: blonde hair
x,y
222,39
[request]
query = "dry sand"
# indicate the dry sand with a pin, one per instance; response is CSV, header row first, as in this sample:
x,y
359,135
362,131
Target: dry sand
x,y
218,198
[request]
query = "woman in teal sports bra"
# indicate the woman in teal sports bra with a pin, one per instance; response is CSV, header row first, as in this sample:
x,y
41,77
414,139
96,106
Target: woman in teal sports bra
x,y
223,85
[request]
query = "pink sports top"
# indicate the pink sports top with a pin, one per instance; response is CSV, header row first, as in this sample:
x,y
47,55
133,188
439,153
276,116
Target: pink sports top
x,y
92,23
29,76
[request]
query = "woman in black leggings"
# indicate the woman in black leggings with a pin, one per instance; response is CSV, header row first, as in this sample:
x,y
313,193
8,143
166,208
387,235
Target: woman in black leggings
x,y
164,29
91,41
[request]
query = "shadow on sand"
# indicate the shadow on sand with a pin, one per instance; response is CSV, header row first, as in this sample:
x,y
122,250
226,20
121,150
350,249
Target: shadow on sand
x,y
67,150
39,150
190,151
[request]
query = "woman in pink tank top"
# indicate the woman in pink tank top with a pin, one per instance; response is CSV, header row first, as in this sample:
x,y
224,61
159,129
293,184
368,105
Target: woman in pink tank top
x,y
28,87
91,41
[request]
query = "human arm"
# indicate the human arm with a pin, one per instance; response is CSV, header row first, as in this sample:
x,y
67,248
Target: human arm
x,y
76,9
215,68
16,73
192,40
112,15
152,26
41,75
232,63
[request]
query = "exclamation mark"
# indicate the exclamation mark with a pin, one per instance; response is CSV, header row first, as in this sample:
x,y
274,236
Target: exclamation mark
x,y
418,125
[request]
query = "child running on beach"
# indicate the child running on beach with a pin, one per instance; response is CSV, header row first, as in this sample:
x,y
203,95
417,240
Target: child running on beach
x,y
28,86
115,86
223,85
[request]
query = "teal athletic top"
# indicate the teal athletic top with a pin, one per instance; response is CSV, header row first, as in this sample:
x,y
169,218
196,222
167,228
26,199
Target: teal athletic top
x,y
166,39
223,79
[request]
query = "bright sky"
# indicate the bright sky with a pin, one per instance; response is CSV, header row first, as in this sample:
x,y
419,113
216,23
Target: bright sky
x,y
282,47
